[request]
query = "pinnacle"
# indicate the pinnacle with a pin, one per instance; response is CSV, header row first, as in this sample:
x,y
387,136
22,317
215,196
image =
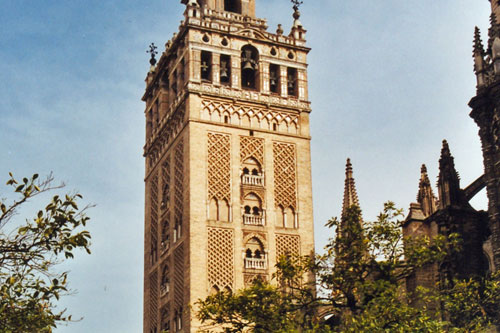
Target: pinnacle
x,y
447,164
478,43
350,193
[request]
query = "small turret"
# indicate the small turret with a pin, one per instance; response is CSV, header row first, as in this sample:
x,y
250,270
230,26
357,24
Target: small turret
x,y
425,196
450,193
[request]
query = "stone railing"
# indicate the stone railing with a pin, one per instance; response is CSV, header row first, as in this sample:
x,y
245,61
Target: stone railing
x,y
255,263
256,180
250,219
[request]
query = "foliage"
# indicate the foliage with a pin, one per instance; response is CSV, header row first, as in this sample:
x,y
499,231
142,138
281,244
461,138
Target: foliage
x,y
29,252
287,306
360,280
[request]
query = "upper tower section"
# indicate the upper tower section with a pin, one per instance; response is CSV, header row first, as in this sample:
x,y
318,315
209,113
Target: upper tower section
x,y
224,55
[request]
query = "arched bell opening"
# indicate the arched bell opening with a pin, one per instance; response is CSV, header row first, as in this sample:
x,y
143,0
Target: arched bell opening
x,y
225,69
249,67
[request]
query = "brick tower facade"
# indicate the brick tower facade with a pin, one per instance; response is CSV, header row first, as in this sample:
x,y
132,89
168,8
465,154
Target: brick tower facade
x,y
228,180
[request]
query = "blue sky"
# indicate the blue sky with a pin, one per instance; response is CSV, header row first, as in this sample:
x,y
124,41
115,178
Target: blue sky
x,y
389,80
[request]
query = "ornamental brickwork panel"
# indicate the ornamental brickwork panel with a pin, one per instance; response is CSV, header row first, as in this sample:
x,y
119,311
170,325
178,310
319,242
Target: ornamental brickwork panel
x,y
221,258
285,182
219,166
165,181
179,276
252,147
287,244
179,180
154,217
250,116
153,299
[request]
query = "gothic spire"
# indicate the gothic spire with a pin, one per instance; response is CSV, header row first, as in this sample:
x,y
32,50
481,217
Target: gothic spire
x,y
448,180
425,196
350,194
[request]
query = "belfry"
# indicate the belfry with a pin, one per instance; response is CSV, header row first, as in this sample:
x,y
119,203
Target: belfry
x,y
228,168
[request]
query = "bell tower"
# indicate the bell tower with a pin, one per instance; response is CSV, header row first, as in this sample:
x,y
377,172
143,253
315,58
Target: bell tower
x,y
228,169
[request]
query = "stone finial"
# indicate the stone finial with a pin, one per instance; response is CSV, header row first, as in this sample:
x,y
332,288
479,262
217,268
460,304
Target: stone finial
x,y
425,196
279,31
350,193
296,13
153,52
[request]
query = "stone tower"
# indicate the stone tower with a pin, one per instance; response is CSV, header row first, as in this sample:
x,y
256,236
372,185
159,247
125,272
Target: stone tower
x,y
228,178
486,113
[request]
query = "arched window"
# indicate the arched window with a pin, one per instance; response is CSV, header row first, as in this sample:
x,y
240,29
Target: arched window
x,y
252,173
165,282
232,6
249,67
213,210
255,257
223,211
289,218
280,216
252,213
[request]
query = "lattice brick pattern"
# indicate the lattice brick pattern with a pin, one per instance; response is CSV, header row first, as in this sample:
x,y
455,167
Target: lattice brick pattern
x,y
219,166
221,258
287,244
179,275
285,184
165,180
154,211
153,299
179,180
252,147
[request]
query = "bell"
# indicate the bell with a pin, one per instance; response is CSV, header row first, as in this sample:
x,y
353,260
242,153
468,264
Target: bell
x,y
291,82
204,66
273,79
247,59
247,65
223,71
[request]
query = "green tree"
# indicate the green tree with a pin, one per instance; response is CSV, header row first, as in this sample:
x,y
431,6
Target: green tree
x,y
30,250
361,281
